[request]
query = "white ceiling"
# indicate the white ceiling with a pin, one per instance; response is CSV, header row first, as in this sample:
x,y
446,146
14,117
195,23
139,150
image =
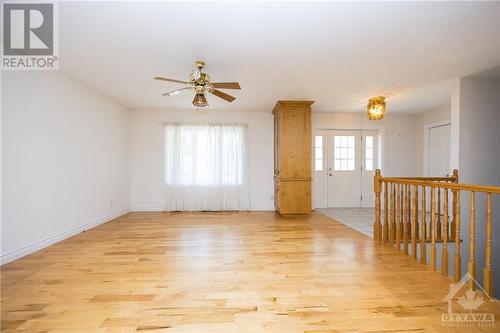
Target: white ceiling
x,y
338,54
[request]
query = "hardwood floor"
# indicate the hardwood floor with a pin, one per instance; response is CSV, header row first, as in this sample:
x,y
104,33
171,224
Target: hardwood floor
x,y
222,272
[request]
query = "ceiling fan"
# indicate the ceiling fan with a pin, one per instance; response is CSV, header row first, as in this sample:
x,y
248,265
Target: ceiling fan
x,y
199,82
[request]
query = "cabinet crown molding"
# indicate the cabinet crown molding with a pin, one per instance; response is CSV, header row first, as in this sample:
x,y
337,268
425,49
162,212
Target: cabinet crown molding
x,y
291,105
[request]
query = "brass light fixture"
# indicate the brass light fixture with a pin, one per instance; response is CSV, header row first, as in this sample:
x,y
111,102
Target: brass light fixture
x,y
376,108
201,84
200,100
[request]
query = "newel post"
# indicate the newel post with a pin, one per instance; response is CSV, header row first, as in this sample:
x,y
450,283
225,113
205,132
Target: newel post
x,y
377,187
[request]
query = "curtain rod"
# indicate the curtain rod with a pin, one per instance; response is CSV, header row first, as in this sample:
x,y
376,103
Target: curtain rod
x,y
178,123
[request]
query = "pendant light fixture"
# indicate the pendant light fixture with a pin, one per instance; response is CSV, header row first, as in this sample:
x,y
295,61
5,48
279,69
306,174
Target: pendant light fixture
x,y
376,108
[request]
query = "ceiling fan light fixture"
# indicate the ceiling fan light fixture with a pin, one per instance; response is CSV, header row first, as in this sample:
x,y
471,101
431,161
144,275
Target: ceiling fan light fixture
x,y
200,101
200,82
376,108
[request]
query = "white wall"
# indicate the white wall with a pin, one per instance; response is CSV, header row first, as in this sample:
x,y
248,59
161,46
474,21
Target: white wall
x,y
65,160
455,124
147,153
479,160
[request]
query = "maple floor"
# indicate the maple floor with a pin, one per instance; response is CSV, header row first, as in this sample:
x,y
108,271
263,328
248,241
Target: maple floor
x,y
222,272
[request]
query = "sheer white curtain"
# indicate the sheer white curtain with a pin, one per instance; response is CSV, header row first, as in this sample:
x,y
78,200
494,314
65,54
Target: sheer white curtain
x,y
205,167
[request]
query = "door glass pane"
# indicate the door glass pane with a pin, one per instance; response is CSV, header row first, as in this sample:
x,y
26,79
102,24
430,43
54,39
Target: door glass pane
x,y
344,157
318,141
369,141
369,153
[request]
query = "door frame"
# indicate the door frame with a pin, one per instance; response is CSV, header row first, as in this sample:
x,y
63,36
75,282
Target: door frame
x,y
362,127
427,131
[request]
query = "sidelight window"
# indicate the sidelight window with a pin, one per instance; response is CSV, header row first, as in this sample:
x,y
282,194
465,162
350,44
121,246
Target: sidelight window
x,y
318,153
369,153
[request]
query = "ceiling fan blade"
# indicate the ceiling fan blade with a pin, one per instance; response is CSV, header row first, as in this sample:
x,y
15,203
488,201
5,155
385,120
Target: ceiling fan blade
x,y
169,80
177,92
226,85
222,95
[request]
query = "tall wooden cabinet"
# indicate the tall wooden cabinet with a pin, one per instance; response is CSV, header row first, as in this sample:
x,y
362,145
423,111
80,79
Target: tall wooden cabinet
x,y
292,157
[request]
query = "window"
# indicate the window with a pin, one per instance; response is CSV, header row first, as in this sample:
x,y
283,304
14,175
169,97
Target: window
x,y
369,153
344,153
204,154
318,153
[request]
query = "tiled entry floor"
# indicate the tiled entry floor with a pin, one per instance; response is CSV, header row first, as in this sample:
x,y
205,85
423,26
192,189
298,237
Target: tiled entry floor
x,y
359,219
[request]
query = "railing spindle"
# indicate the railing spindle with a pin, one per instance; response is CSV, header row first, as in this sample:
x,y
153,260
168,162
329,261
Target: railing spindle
x,y
393,211
444,253
391,206
438,222
409,212
401,215
414,223
487,272
398,213
472,239
377,188
458,260
433,228
423,235
385,229
405,220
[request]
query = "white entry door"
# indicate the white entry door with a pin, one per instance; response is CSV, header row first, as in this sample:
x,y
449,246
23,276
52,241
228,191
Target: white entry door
x,y
351,163
344,168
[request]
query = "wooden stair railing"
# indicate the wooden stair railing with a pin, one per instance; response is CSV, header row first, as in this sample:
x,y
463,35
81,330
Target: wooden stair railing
x,y
405,226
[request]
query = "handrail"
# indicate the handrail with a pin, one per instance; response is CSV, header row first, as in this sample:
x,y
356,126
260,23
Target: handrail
x,y
405,225
438,179
450,186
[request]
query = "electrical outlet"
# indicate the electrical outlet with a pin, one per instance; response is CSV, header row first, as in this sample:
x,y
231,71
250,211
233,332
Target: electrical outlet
x,y
272,197
111,204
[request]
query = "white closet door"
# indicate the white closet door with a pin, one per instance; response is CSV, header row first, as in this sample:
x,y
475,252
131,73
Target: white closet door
x,y
439,151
